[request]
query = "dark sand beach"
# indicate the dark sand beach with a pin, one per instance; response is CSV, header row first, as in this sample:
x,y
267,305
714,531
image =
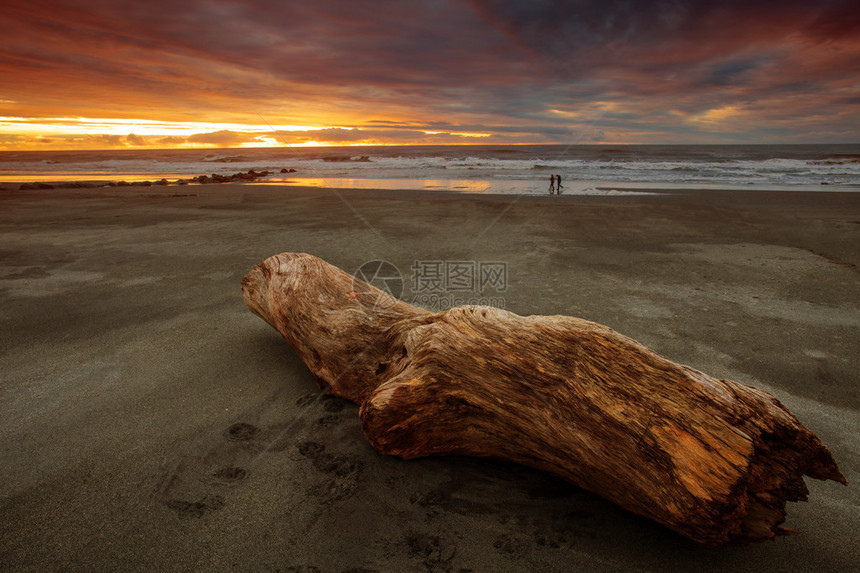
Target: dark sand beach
x,y
150,422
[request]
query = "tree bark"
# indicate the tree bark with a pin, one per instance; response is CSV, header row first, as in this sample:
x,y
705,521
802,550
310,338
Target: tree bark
x,y
712,459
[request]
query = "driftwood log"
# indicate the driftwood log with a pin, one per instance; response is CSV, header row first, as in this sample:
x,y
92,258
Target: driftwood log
x,y
711,459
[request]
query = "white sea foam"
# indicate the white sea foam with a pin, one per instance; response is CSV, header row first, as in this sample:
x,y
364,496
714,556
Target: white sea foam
x,y
833,167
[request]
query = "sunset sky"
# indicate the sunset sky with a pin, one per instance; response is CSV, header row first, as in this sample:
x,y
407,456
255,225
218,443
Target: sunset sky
x,y
106,74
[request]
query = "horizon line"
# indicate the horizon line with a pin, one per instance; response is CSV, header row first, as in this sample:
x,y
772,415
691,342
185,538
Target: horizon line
x,y
464,144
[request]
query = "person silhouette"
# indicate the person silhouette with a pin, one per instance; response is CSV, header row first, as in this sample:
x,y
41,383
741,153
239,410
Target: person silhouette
x,y
551,184
558,184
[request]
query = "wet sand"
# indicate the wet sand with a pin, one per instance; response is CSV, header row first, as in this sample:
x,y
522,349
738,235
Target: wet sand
x,y
150,422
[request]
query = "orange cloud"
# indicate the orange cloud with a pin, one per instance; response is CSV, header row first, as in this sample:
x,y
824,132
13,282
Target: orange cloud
x,y
501,70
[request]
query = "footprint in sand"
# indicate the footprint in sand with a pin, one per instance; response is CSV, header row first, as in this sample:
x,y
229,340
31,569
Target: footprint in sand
x,y
196,509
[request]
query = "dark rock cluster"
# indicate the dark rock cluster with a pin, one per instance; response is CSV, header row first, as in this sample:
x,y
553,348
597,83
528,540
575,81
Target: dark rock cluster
x,y
33,186
251,175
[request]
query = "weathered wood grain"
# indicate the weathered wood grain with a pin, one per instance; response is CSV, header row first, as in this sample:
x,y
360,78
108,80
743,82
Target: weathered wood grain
x,y
712,459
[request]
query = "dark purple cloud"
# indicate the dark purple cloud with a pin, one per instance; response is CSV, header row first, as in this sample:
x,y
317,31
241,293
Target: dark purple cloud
x,y
541,70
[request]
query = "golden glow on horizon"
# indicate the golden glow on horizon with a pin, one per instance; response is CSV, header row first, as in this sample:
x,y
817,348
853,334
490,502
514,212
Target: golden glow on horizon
x,y
116,126
56,133
469,134
262,141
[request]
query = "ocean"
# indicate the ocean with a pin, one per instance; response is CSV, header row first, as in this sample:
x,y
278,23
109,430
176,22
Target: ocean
x,y
598,169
